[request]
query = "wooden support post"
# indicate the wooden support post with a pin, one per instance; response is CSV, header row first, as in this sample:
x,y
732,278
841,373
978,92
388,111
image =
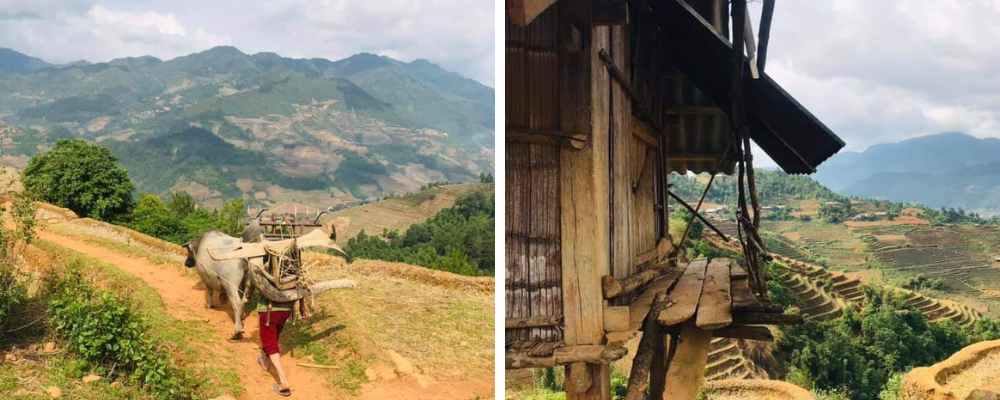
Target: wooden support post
x,y
686,372
578,379
584,192
664,352
652,339
599,381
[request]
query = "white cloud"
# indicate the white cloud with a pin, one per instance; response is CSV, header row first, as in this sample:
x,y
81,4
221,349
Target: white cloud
x,y
457,34
881,71
136,23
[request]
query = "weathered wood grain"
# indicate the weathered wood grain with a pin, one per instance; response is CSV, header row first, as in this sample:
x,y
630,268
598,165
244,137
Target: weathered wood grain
x,y
686,372
715,307
640,306
685,296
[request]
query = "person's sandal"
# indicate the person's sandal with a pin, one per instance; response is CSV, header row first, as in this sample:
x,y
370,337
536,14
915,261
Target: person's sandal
x,y
283,392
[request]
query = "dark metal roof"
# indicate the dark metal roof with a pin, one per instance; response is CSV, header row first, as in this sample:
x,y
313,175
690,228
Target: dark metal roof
x,y
783,128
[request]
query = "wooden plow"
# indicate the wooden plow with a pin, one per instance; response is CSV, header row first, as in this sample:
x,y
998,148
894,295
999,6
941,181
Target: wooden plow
x,y
277,268
287,226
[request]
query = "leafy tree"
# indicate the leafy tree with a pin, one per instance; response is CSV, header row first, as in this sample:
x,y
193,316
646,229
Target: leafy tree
x,y
232,216
860,352
152,217
836,212
458,239
83,177
182,204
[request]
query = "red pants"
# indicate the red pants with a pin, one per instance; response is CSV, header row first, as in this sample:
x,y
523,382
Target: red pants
x,y
269,332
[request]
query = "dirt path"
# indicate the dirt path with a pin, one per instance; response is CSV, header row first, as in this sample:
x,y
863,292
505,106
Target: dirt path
x,y
187,302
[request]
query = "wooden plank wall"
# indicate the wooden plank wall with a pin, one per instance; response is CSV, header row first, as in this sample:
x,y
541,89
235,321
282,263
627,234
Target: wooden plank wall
x,y
533,256
632,175
584,178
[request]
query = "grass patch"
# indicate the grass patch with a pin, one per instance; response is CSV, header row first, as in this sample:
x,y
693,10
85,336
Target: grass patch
x,y
186,341
153,255
351,377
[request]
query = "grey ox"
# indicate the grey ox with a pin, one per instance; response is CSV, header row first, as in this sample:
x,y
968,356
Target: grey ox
x,y
228,276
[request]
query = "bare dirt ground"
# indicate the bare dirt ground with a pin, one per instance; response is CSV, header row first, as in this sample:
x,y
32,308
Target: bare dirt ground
x,y
754,389
395,372
975,367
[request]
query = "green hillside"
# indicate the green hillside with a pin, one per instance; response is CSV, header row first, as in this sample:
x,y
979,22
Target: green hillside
x,y
356,128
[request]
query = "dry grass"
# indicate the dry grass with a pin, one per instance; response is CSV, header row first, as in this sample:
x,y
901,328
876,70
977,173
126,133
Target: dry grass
x,y
440,322
445,332
397,213
901,220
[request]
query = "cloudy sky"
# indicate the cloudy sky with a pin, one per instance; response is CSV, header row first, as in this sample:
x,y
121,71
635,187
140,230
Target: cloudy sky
x,y
882,71
457,34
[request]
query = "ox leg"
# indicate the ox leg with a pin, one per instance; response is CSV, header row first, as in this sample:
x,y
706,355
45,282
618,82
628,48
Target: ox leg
x,y
232,293
209,297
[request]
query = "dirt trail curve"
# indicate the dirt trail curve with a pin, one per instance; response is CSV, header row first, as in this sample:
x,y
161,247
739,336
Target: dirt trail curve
x,y
188,303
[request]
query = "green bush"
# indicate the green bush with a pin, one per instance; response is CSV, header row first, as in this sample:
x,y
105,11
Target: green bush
x,y
12,294
13,289
83,177
179,219
106,331
860,353
458,239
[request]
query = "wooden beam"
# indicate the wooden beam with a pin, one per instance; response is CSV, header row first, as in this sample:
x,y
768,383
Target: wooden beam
x,y
589,354
638,379
616,287
640,306
715,308
742,295
532,322
642,131
664,353
584,184
549,137
522,12
748,332
616,318
685,297
686,372
594,354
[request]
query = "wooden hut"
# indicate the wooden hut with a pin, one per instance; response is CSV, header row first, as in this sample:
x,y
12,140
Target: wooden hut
x,y
604,99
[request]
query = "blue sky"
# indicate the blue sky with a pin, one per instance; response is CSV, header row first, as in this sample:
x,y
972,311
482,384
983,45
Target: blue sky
x,y
457,34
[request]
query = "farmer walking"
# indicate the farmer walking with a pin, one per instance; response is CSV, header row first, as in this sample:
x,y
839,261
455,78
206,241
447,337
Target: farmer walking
x,y
272,316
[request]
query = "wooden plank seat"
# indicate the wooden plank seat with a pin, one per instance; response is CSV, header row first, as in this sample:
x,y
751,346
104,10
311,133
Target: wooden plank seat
x,y
705,303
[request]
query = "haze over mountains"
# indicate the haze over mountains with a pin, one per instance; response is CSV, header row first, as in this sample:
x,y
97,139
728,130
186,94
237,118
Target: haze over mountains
x,y
941,170
221,123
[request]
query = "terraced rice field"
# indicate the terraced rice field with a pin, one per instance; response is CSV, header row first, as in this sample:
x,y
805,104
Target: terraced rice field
x,y
960,257
727,359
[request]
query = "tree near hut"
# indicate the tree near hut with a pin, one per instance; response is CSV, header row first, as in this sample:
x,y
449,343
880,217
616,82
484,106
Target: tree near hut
x,y
82,177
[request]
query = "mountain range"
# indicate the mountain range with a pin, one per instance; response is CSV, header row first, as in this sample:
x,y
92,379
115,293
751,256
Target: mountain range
x,y
942,170
222,123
